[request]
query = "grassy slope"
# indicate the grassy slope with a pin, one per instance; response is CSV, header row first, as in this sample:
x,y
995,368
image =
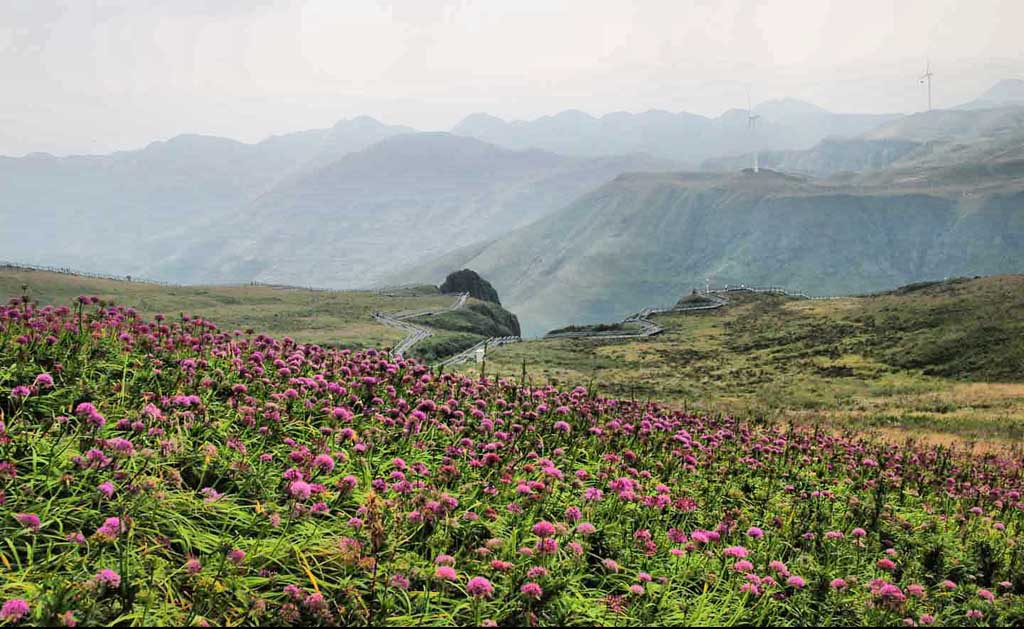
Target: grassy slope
x,y
325,317
456,330
942,359
189,513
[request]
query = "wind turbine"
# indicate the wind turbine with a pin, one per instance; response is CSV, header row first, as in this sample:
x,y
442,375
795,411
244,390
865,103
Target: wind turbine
x,y
752,125
927,76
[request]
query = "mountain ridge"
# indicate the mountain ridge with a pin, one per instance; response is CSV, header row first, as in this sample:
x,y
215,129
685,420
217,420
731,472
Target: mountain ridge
x,y
681,136
412,196
643,239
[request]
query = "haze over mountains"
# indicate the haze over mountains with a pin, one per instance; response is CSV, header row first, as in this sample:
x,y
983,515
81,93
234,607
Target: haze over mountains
x,y
118,213
937,138
925,196
683,137
201,208
1005,93
646,238
403,200
574,218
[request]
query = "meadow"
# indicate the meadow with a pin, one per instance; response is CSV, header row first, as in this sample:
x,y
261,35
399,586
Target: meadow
x,y
164,471
327,317
942,361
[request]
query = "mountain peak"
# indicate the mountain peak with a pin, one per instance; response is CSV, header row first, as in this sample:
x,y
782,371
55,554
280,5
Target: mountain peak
x,y
481,116
193,141
478,123
786,107
1005,93
1006,89
359,122
574,115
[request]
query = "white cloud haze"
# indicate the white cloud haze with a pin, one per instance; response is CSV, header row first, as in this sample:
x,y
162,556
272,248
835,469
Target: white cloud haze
x,y
99,75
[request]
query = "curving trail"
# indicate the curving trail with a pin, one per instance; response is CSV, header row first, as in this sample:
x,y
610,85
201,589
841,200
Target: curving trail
x,y
469,354
414,333
650,328
647,327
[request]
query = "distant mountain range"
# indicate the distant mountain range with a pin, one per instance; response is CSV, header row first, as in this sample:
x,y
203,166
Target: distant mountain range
x,y
123,211
201,208
682,137
403,200
1008,92
937,139
574,218
946,201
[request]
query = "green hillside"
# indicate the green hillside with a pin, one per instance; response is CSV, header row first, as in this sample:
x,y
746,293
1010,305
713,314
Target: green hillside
x,y
945,358
324,317
645,239
931,195
153,479
457,330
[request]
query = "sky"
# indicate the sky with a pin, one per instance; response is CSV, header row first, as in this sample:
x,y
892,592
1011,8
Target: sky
x,y
93,76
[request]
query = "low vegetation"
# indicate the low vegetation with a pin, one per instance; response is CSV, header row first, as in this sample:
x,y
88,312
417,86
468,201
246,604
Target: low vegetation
x,y
168,472
458,330
944,359
599,327
329,318
333,318
477,317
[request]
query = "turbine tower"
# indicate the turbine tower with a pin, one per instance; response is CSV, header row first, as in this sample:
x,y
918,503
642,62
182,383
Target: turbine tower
x,y
927,77
752,125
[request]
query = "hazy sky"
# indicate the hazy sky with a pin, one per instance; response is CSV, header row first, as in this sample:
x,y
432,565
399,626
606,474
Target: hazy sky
x,y
97,75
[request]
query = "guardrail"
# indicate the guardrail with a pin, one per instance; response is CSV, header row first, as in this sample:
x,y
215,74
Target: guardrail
x,y
651,328
470,353
63,270
414,333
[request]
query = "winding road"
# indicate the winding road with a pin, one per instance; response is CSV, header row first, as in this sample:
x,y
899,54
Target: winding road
x,y
647,327
650,328
470,354
414,333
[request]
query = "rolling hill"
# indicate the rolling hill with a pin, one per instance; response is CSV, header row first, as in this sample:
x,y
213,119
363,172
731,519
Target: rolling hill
x,y
331,207
401,201
645,238
942,139
328,318
1004,93
927,196
117,212
939,359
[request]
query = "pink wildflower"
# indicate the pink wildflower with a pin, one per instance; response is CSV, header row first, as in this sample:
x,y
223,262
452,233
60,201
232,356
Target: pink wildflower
x,y
480,587
531,590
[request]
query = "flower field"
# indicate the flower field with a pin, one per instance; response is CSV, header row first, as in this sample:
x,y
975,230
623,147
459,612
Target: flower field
x,y
171,473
